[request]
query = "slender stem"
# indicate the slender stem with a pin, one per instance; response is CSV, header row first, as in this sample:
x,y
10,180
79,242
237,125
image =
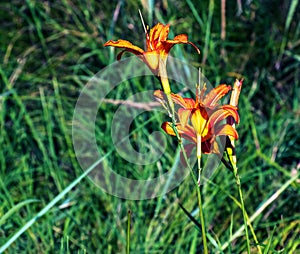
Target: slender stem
x,y
247,221
167,90
260,210
199,157
253,233
203,229
201,215
166,86
128,232
198,186
238,183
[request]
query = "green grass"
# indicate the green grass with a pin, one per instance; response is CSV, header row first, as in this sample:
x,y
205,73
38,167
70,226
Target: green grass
x,y
48,52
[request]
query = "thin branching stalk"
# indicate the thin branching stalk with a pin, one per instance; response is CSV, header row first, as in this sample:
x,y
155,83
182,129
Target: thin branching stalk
x,y
260,210
198,189
166,87
238,183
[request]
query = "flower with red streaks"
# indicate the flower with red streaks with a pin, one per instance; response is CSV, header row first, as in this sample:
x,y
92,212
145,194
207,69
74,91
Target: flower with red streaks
x,y
158,46
202,120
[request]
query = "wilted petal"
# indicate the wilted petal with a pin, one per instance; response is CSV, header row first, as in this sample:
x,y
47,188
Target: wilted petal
x,y
206,147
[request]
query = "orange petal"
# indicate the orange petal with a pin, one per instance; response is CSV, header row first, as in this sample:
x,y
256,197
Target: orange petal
x,y
186,103
184,115
215,95
187,132
159,94
152,59
158,34
183,38
119,56
167,127
199,120
226,130
221,114
178,99
234,112
128,46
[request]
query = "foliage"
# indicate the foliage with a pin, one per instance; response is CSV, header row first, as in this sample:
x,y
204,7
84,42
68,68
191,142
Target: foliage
x,y
49,50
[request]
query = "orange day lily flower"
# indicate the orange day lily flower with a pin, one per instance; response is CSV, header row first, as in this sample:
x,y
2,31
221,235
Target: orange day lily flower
x,y
201,120
158,46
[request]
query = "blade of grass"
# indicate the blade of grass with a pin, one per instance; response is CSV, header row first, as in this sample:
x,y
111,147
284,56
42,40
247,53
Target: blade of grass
x,y
262,208
15,208
63,123
195,13
208,31
288,21
52,203
35,134
38,27
267,248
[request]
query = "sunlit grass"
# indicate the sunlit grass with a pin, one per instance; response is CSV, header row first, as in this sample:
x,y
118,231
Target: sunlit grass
x,y
48,53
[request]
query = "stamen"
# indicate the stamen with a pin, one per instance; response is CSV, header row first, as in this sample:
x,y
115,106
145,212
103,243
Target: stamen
x,y
198,87
199,158
141,16
145,29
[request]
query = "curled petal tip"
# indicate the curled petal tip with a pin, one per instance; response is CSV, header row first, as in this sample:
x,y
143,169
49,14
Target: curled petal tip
x,y
197,49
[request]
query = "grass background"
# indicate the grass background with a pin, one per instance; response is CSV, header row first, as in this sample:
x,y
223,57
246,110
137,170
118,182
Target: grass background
x,y
48,51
